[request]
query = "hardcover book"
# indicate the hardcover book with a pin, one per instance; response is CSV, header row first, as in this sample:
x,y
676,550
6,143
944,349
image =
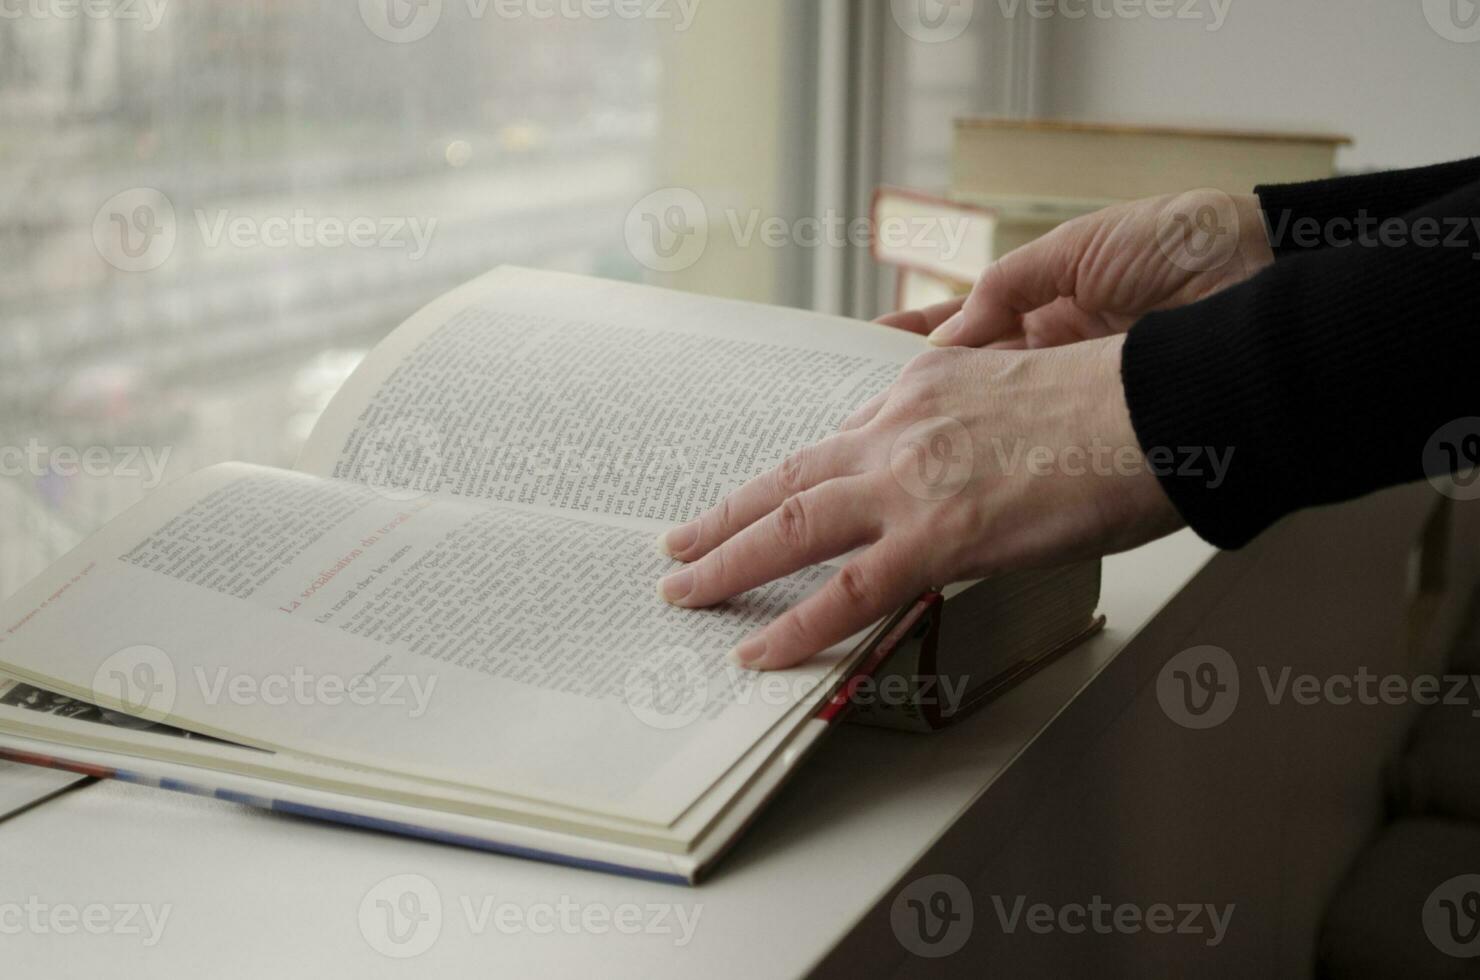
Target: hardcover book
x,y
443,622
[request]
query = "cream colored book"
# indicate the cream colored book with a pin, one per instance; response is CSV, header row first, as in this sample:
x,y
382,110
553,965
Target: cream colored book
x,y
933,235
1057,169
444,620
936,247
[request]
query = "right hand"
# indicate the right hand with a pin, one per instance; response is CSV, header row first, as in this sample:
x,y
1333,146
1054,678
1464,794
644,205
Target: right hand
x,y
1096,275
925,485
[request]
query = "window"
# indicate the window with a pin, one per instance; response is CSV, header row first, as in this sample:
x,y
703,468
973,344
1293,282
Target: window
x,y
210,210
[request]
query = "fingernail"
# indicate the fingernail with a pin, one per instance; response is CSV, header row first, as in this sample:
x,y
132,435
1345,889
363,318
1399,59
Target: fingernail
x,y
749,653
676,586
943,333
679,539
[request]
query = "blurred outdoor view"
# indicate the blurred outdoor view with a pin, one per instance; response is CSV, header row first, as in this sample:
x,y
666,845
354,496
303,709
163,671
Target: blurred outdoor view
x,y
206,220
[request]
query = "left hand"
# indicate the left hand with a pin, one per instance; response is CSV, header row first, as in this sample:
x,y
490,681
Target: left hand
x,y
972,463
1100,273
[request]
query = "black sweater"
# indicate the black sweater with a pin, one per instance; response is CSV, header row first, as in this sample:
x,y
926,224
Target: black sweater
x,y
1327,374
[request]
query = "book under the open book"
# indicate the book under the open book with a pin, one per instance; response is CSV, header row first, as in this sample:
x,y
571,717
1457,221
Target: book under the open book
x,y
444,622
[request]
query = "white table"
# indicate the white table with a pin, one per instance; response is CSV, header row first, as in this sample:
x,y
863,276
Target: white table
x,y
810,887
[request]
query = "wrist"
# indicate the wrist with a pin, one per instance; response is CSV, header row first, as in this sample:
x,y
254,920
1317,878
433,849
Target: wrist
x,y
1254,235
1143,509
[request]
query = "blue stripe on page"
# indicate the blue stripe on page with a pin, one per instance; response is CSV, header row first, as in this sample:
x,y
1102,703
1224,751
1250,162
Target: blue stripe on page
x,y
249,799
391,826
480,843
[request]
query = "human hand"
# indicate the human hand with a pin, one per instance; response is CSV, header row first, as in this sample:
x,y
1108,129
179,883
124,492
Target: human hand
x,y
1095,276
972,463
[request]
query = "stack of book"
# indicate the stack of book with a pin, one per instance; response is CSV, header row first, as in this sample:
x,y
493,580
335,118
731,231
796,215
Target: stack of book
x,y
1014,180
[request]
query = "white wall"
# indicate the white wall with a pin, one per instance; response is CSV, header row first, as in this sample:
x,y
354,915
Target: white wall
x,y
985,71
1373,69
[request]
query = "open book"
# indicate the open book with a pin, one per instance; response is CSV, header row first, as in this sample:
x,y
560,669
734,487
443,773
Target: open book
x,y
444,621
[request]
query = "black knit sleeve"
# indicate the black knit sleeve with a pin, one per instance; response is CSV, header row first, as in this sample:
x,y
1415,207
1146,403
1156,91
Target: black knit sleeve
x,y
1309,216
1325,376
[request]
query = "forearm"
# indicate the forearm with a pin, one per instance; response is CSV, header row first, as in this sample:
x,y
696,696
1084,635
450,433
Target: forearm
x,y
1315,215
1325,375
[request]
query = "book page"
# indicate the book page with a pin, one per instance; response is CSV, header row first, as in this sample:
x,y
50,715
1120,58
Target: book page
x,y
34,712
479,644
597,398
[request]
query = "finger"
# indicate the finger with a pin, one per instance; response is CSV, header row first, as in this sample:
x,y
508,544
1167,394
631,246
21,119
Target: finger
x,y
923,321
1012,287
1062,322
809,527
802,470
871,586
865,413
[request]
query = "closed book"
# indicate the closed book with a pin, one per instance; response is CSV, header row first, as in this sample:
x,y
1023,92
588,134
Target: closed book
x,y
1025,164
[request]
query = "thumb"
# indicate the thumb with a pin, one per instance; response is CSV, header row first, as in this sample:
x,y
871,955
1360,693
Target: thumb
x,y
924,320
1020,282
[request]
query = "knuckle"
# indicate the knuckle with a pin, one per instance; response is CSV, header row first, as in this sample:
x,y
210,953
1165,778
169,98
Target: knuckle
x,y
929,365
864,412
936,356
792,522
910,399
853,585
791,472
724,518
923,362
887,498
